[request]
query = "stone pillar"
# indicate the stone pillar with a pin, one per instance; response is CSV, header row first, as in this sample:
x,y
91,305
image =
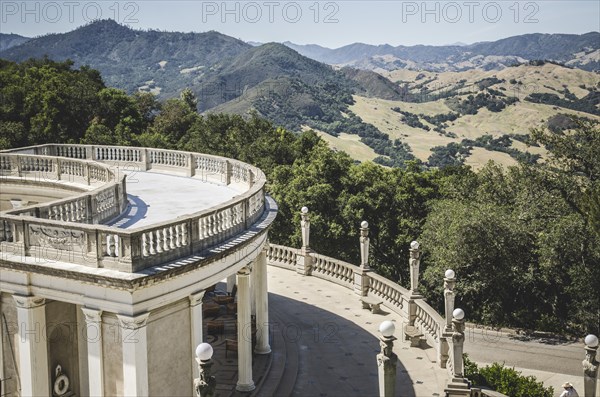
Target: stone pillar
x,y
414,261
205,384
449,283
135,354
95,359
590,366
386,362
262,303
458,385
304,259
252,290
361,277
196,325
33,346
244,334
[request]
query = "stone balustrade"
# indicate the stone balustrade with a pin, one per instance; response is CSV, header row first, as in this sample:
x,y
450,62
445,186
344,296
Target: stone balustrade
x,y
333,270
282,256
61,230
394,296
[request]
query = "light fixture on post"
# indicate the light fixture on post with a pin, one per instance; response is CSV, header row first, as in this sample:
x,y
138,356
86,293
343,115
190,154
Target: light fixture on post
x,y
304,259
458,386
449,283
361,278
205,384
590,366
387,359
414,262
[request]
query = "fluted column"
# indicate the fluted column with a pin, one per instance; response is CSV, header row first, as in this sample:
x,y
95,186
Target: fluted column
x,y
196,325
244,332
135,354
95,359
33,345
262,303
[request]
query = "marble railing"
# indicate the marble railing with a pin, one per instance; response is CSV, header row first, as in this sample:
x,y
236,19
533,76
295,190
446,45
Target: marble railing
x,y
64,238
282,256
333,270
394,296
105,202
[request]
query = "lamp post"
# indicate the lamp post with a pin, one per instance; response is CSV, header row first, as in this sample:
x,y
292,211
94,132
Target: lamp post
x,y
205,384
305,225
386,360
590,366
361,278
458,386
304,259
415,260
449,283
364,245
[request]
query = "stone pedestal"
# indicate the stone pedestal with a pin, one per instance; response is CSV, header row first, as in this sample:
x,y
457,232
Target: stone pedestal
x,y
304,262
590,372
457,387
361,281
386,367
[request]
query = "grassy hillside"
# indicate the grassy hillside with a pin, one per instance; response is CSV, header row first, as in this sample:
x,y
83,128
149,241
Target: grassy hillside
x,y
439,94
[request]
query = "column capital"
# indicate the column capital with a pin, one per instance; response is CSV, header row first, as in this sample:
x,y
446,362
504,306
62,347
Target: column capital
x,y
28,302
244,271
133,322
196,298
92,315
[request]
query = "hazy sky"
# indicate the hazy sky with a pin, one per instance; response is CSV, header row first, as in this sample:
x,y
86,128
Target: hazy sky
x,y
328,23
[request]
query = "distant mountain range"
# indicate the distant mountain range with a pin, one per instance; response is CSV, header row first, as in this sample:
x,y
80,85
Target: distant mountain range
x,y
580,51
316,87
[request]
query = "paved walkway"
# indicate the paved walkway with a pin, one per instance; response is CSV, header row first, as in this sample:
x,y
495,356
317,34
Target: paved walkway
x,y
155,198
331,344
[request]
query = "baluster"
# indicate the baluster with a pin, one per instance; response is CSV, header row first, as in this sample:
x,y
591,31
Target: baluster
x,y
111,246
159,241
185,234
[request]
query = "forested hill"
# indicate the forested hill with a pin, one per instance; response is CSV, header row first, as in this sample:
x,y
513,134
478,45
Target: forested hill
x,y
224,73
8,40
580,51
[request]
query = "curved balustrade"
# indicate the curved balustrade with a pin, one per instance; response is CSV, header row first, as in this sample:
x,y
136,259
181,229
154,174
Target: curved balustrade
x,y
96,206
282,256
334,270
58,235
429,321
393,295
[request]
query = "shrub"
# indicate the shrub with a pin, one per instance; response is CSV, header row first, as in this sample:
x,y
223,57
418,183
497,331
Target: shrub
x,y
505,380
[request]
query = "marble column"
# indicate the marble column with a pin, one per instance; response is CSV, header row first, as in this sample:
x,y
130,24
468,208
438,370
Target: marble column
x,y
262,303
244,332
196,326
135,354
95,359
33,346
